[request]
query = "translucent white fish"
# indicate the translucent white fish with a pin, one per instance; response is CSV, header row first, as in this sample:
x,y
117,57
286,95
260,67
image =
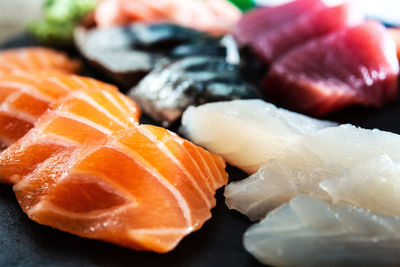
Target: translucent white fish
x,y
351,176
343,164
312,232
247,133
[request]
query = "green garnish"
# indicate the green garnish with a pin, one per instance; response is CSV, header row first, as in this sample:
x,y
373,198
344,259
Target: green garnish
x,y
243,5
59,21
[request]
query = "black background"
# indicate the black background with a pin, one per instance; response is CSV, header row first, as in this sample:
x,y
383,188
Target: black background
x,y
218,243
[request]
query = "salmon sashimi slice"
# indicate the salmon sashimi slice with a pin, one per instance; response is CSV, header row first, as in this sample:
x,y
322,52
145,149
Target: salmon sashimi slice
x,y
216,17
142,187
36,59
25,97
78,117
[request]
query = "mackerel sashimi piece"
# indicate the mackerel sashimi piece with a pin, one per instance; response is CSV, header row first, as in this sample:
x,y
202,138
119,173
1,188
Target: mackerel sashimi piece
x,y
144,187
36,59
127,53
80,116
355,66
166,92
25,97
273,42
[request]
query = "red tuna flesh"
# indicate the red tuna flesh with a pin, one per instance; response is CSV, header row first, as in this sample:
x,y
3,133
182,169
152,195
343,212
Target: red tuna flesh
x,y
261,20
355,66
271,32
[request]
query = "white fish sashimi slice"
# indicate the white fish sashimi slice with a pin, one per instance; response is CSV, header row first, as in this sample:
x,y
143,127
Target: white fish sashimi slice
x,y
274,184
347,145
373,185
343,164
312,232
247,133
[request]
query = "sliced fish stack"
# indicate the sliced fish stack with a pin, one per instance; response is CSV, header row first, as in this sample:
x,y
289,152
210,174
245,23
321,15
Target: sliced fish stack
x,y
333,165
321,58
86,166
354,66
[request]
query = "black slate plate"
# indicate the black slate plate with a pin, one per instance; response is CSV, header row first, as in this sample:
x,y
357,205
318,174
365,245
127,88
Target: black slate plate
x,y
218,243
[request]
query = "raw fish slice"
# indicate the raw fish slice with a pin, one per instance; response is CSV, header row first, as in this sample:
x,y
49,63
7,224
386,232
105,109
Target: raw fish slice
x,y
355,66
168,90
373,185
149,185
273,43
216,17
344,164
260,21
311,232
348,145
36,59
127,53
247,133
274,184
213,16
395,32
211,47
25,97
81,116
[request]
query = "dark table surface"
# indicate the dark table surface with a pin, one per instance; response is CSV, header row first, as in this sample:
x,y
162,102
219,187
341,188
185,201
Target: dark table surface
x,y
218,243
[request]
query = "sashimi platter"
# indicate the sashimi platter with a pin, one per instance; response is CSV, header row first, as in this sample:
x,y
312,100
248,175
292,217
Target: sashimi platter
x,y
201,133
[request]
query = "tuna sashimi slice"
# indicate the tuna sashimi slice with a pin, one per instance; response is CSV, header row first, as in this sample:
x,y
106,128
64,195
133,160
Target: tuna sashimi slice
x,y
272,31
144,188
262,20
274,43
355,66
36,59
